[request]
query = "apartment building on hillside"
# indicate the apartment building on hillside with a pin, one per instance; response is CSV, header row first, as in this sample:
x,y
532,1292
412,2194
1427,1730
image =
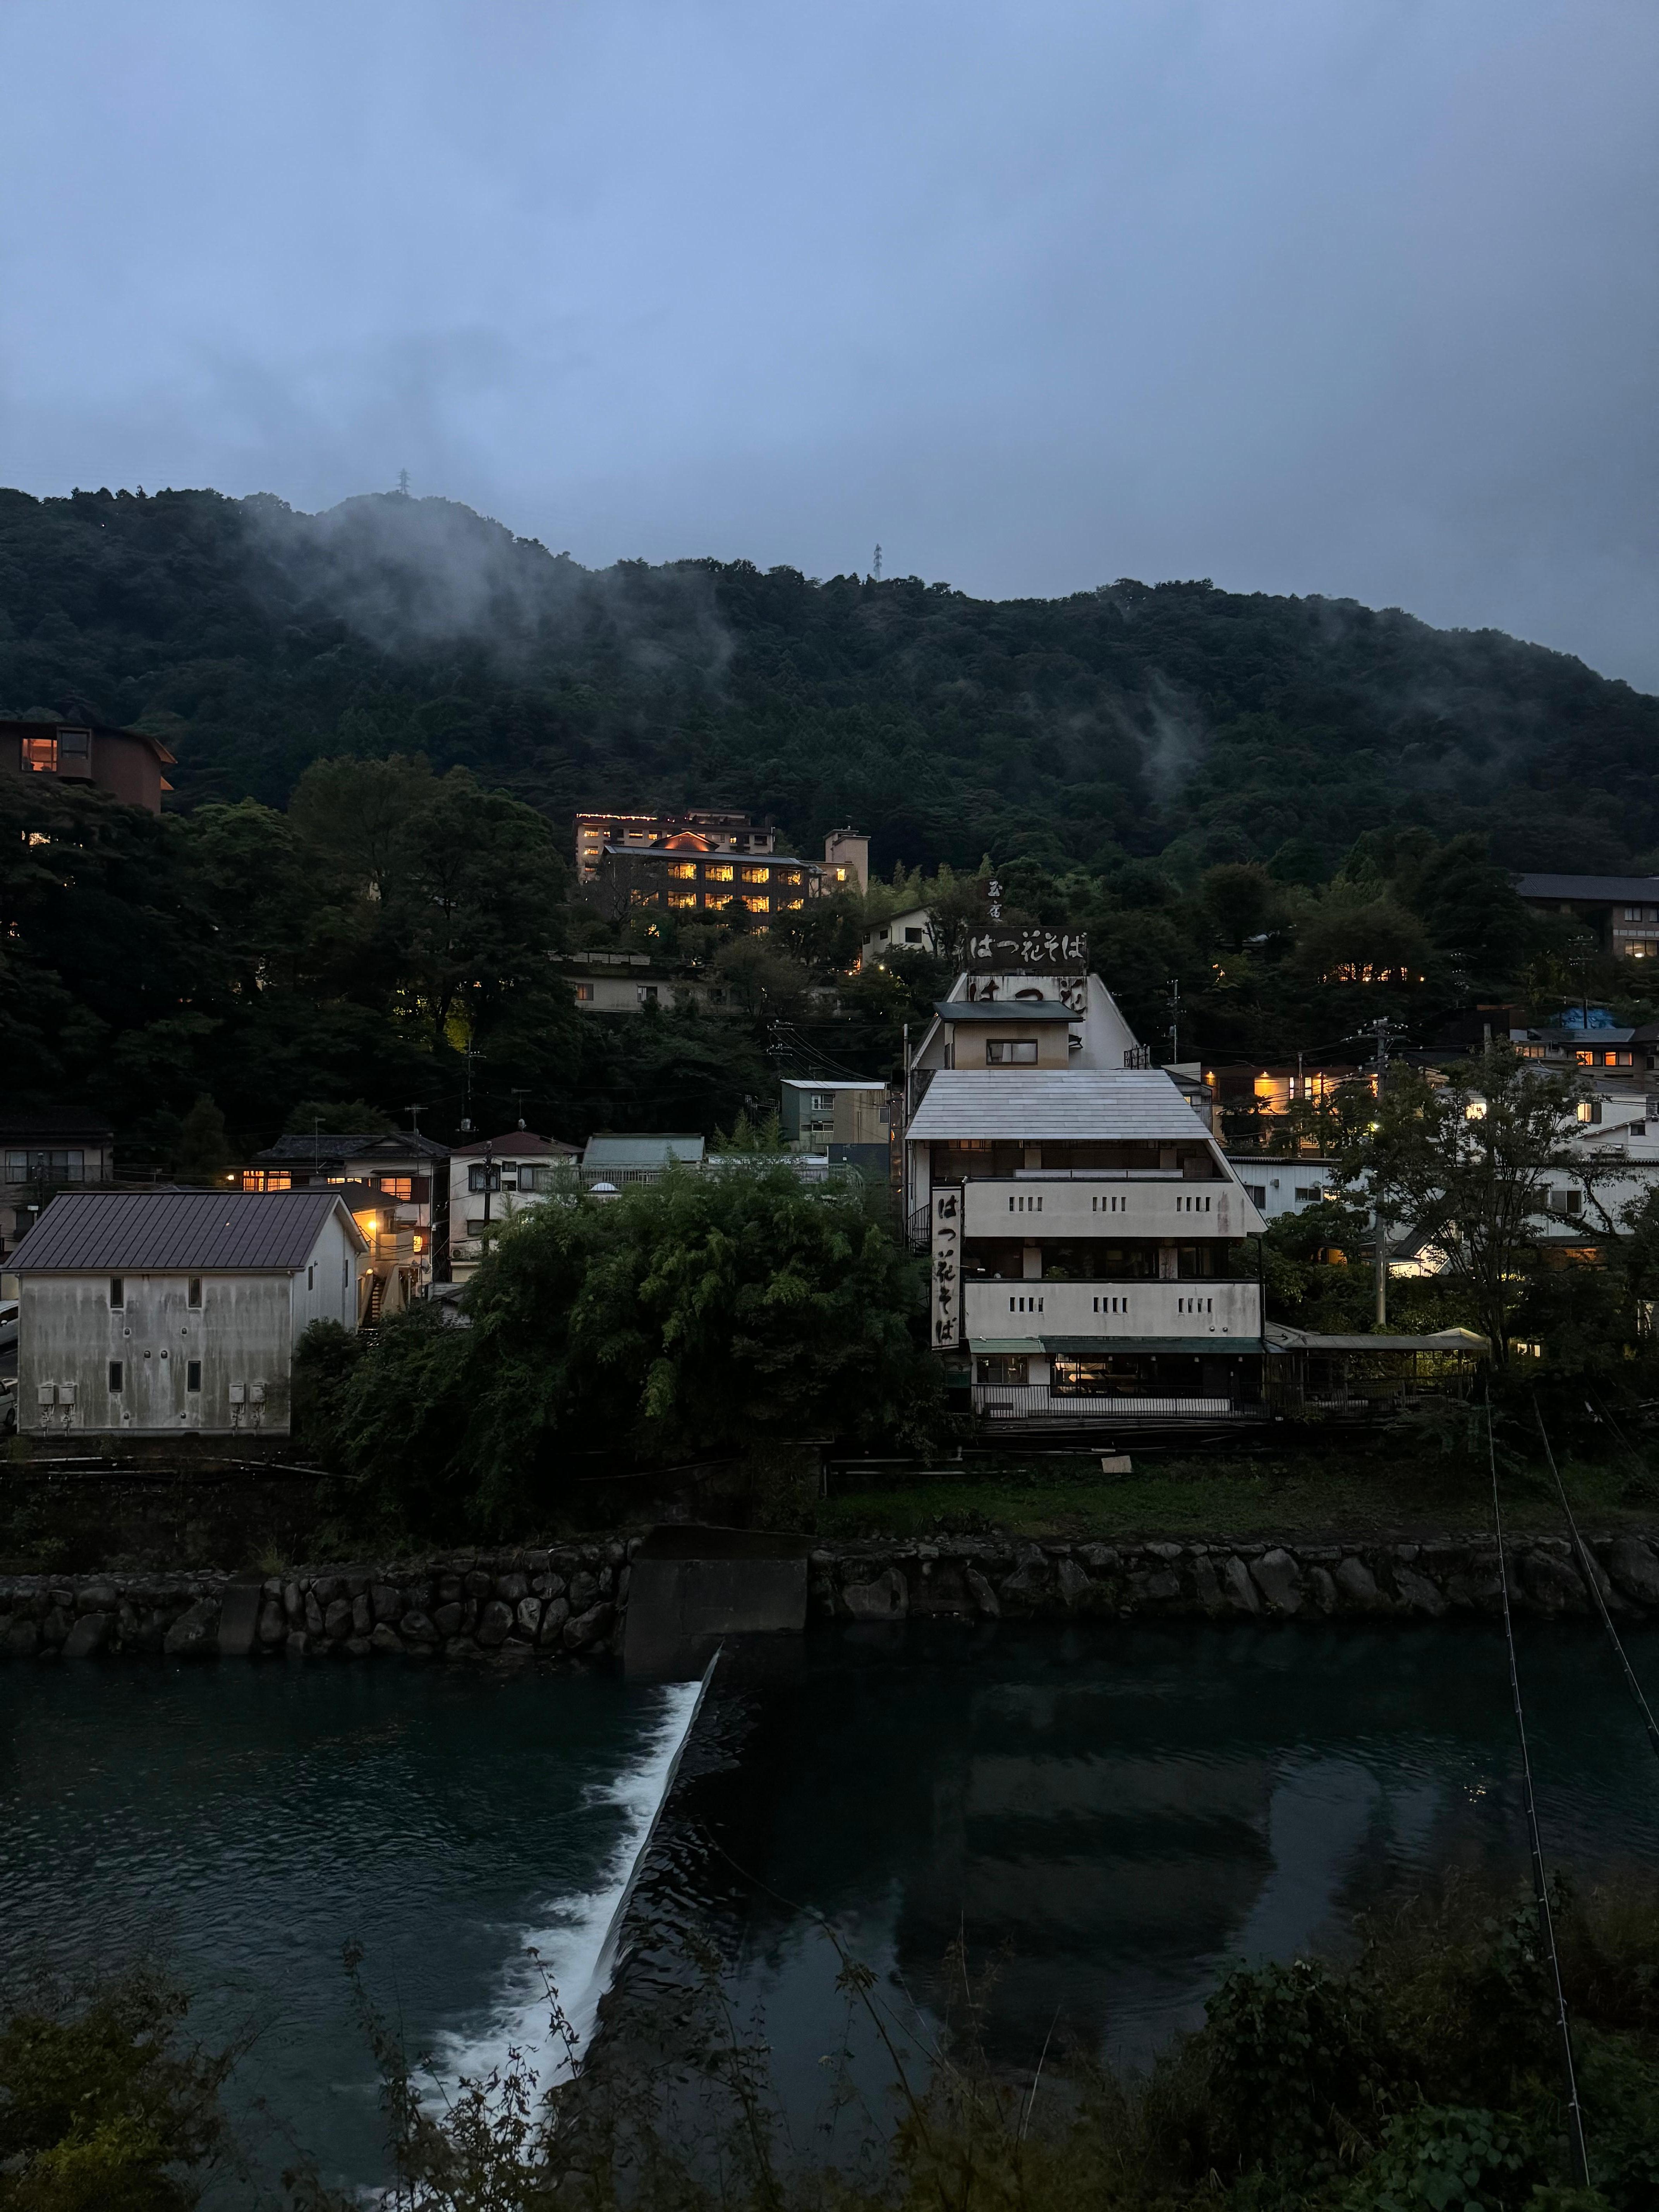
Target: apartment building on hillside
x,y
716,866
1088,1236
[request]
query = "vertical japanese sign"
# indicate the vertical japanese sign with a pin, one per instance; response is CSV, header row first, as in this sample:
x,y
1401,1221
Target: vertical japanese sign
x,y
947,1267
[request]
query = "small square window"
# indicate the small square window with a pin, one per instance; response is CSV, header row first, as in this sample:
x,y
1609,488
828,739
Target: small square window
x,y
193,1296
192,1375
115,1378
117,1293
40,754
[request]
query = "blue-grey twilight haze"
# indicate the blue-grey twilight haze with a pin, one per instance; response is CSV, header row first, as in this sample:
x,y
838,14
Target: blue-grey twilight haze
x,y
1350,296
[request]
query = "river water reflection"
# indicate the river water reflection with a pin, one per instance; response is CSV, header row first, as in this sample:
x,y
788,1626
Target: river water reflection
x,y
1109,1813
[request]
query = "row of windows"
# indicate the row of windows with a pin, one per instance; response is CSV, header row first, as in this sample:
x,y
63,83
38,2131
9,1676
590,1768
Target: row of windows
x,y
66,1166
713,872
58,753
756,902
1194,1205
1112,1305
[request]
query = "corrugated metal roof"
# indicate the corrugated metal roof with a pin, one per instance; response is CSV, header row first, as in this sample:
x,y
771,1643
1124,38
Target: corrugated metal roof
x,y
1589,887
203,1231
640,1152
514,1143
326,1148
1059,1103
832,1083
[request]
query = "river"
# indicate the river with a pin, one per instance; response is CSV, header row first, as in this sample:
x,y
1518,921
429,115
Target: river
x,y
1104,1814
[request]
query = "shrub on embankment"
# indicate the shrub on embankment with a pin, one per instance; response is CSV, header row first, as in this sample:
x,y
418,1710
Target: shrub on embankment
x,y
1422,2076
706,1314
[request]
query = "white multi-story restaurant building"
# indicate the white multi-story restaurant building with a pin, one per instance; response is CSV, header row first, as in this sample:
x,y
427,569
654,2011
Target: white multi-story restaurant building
x,y
1089,1238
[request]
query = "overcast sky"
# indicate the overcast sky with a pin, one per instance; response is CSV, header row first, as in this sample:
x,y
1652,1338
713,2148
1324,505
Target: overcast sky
x,y
1350,296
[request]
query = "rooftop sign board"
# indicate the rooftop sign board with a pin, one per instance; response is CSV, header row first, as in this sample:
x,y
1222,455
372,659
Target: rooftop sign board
x,y
1029,952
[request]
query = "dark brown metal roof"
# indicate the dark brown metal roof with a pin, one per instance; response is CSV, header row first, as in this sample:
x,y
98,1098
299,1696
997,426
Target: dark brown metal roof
x,y
303,1151
203,1231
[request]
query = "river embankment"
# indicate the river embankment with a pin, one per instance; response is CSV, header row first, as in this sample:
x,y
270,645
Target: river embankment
x,y
570,1601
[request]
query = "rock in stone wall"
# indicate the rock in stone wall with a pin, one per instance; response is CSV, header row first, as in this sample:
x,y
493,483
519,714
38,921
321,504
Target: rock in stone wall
x,y
965,1578
505,1606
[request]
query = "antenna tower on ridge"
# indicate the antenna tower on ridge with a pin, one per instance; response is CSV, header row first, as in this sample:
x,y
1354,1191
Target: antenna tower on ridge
x,y
403,481
876,569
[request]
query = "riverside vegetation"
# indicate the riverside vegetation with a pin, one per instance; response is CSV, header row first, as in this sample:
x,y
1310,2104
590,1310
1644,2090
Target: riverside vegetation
x,y
1420,2075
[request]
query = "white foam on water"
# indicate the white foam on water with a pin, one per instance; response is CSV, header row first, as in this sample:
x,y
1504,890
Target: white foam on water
x,y
569,1947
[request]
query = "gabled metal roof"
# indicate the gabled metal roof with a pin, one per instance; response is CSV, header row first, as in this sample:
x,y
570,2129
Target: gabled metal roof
x,y
1058,1104
1610,888
652,1151
196,1232
301,1150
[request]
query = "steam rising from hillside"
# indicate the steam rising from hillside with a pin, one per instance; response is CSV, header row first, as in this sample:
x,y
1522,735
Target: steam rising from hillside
x,y
425,576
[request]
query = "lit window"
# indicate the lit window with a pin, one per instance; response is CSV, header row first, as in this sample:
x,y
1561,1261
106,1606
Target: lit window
x,y
717,872
791,906
266,1179
397,1185
683,898
1011,1052
757,905
757,875
684,870
584,994
788,875
40,754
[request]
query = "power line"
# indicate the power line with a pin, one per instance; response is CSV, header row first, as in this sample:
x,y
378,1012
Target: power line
x,y
1540,1882
1588,1567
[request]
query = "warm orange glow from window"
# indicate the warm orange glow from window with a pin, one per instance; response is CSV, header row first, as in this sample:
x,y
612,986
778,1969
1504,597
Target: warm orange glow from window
x,y
717,872
681,898
397,1187
40,754
757,905
686,871
757,875
266,1179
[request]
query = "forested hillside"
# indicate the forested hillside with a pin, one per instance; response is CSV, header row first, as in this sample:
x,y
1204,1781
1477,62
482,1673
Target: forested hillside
x,y
1131,719
384,717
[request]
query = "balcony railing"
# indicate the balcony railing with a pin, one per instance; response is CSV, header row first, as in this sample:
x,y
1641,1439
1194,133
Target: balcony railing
x,y
1007,1403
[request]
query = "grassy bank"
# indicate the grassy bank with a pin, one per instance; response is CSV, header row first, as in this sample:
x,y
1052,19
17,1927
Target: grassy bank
x,y
1308,1495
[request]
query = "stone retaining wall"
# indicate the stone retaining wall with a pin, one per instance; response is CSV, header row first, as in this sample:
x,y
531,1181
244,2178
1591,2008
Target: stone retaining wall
x,y
511,1607
875,1582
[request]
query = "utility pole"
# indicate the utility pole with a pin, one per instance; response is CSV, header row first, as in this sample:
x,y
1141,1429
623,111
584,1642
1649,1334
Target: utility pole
x,y
518,1096
1175,1019
1379,1227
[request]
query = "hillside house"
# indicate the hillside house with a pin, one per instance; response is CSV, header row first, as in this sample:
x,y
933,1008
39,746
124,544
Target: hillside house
x,y
125,763
1622,912
162,1312
42,1155
492,1181
396,1189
